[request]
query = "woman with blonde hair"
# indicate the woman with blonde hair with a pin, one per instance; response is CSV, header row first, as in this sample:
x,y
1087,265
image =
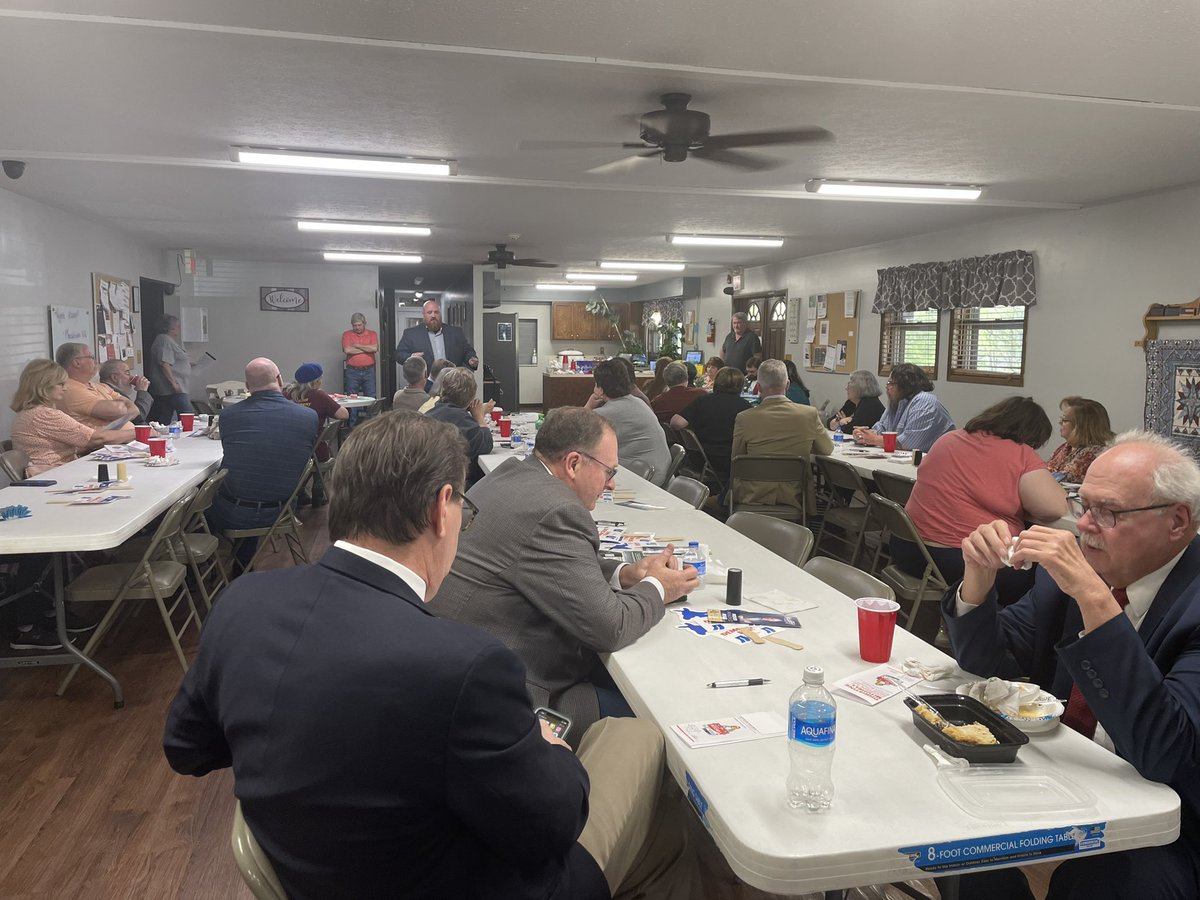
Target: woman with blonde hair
x,y
47,435
1086,431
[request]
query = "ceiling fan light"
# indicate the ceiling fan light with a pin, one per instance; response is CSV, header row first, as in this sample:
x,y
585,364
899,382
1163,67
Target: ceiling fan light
x,y
643,266
555,286
355,163
888,190
600,276
346,256
362,227
719,240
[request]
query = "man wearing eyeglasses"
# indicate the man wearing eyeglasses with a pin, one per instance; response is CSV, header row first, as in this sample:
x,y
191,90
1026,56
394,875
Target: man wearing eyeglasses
x,y
86,401
1112,628
530,572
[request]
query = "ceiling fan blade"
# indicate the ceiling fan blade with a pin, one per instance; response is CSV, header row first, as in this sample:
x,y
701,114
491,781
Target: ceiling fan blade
x,y
745,161
766,138
534,263
567,145
624,164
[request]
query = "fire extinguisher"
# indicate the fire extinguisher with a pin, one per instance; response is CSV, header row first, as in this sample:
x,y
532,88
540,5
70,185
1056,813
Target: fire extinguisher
x,y
712,330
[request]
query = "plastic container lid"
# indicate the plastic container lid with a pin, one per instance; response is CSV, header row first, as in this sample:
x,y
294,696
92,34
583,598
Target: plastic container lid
x,y
989,792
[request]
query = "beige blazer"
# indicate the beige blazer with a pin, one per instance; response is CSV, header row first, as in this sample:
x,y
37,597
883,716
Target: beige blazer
x,y
779,427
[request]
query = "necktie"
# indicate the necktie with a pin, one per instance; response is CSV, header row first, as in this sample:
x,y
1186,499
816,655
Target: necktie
x,y
1078,714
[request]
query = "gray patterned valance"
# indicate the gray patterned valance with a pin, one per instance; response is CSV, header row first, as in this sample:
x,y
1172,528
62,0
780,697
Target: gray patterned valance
x,y
1002,279
668,310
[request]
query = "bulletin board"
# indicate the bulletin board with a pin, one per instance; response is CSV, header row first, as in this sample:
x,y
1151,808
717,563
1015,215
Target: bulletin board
x,y
116,319
831,332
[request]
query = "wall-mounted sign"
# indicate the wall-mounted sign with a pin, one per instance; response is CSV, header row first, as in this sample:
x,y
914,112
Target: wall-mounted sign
x,y
280,299
504,332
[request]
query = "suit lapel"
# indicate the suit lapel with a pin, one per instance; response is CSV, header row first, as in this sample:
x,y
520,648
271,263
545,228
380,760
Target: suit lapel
x,y
1163,608
355,567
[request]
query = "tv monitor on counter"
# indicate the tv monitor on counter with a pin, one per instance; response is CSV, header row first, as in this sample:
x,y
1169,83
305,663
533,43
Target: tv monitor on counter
x,y
693,356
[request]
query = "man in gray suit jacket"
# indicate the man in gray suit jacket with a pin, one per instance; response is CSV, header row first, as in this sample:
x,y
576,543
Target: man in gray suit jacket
x,y
529,571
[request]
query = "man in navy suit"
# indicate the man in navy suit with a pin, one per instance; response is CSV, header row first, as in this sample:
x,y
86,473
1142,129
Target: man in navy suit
x,y
434,340
381,752
1112,627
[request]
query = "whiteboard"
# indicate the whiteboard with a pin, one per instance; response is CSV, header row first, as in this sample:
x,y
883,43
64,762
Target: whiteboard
x,y
70,323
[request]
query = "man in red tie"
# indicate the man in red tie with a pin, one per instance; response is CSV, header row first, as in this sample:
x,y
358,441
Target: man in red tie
x,y
1112,627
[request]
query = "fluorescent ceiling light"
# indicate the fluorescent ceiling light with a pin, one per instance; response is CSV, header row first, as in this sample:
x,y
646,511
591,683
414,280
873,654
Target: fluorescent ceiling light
x,y
551,286
643,266
341,256
884,190
600,276
362,227
360,163
718,240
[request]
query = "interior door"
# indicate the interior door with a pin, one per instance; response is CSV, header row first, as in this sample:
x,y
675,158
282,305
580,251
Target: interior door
x,y
775,335
502,383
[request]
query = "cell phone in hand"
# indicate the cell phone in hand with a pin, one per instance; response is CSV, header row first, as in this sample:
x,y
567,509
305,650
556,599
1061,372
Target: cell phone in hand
x,y
33,482
559,724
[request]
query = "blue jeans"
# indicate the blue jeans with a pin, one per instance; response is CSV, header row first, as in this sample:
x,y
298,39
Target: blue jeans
x,y
361,382
169,406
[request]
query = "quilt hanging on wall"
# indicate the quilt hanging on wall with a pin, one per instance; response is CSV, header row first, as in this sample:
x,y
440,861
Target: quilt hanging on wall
x,y
1173,391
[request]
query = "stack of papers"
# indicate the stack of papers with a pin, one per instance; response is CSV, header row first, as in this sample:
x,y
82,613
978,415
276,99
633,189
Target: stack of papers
x,y
731,729
870,686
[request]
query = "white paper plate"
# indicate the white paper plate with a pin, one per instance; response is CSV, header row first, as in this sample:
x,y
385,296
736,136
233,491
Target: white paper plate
x,y
1030,724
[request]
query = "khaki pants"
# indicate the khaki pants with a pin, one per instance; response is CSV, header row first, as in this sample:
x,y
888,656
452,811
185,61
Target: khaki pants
x,y
636,828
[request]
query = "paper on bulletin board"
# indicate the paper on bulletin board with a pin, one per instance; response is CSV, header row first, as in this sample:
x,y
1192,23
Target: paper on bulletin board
x,y
810,334
841,354
851,301
824,331
812,309
830,358
822,308
807,354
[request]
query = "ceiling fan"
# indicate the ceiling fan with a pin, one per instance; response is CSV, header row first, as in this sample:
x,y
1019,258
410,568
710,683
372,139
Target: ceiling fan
x,y
675,132
502,258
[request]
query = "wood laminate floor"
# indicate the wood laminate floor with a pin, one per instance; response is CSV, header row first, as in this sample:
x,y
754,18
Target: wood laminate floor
x,y
90,809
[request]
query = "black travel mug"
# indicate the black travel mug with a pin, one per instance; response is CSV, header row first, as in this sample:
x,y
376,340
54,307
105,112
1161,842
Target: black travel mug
x,y
102,473
733,588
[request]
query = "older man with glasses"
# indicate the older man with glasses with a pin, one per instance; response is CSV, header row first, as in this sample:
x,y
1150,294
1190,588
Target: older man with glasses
x,y
1111,627
86,401
530,572
115,374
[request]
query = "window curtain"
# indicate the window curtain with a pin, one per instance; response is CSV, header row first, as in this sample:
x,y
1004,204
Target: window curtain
x,y
1001,279
668,310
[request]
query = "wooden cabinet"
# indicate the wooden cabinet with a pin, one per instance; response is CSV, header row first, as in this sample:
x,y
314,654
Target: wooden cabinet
x,y
572,322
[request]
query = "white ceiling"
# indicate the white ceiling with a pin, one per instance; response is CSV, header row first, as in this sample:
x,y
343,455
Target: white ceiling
x,y
125,111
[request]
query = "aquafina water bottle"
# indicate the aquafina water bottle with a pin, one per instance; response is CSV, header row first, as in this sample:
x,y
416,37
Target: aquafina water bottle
x,y
812,726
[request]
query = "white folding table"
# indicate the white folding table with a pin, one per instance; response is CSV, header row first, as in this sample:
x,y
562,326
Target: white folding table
x,y
59,529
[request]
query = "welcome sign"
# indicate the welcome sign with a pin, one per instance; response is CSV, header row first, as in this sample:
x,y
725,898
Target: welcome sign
x,y
283,299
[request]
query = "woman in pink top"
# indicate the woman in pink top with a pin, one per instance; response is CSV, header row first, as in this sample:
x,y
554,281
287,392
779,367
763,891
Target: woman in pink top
x,y
986,471
47,434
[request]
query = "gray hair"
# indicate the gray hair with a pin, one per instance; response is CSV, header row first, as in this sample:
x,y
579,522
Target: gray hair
x,y
675,374
865,383
109,367
1176,477
415,370
772,375
358,317
458,386
66,353
569,428
740,316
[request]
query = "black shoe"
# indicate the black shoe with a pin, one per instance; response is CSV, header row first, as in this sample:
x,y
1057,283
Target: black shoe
x,y
36,638
76,624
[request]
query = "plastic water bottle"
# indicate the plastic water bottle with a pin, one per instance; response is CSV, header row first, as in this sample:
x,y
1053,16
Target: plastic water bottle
x,y
838,437
517,442
812,726
695,558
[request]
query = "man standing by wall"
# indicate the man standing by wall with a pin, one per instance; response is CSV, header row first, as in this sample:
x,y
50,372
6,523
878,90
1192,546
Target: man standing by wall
x,y
360,345
434,340
740,344
169,369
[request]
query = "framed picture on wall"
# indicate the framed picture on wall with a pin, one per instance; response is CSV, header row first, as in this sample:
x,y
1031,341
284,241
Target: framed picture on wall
x,y
283,299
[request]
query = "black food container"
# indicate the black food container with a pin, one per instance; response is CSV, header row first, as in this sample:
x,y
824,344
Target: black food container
x,y
959,710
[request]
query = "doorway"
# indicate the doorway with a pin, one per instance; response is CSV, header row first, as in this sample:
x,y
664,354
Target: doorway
x,y
761,312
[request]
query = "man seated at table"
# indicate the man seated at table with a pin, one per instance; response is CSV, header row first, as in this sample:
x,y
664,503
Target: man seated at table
x,y
115,374
379,751
267,441
913,412
529,570
1112,627
459,406
95,405
677,395
412,397
639,436
778,427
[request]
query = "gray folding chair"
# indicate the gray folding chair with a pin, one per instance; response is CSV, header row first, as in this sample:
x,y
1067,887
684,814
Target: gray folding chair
x,y
787,539
14,463
678,455
846,496
697,464
253,863
286,525
909,587
200,547
748,469
689,490
641,468
852,582
896,488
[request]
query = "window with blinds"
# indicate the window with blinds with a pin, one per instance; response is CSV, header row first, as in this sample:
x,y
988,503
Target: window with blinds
x,y
527,342
987,345
909,337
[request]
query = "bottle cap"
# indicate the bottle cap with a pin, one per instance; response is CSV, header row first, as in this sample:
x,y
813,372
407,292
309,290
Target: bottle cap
x,y
814,675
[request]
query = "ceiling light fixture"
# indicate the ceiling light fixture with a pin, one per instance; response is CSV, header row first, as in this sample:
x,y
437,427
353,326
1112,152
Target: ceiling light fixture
x,y
887,190
720,240
359,163
600,276
552,286
343,256
362,227
643,266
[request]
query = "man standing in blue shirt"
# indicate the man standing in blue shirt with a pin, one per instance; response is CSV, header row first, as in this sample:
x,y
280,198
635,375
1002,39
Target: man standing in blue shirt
x,y
913,412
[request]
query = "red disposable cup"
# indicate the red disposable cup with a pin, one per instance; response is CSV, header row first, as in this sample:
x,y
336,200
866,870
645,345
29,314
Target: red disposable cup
x,y
496,414
505,428
187,421
141,433
889,442
876,627
158,446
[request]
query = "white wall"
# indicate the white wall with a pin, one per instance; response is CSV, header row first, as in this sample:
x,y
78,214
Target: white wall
x,y
47,257
1097,271
239,331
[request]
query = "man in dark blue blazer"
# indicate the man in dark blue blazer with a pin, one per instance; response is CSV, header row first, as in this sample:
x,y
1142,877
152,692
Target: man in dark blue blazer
x,y
434,340
1112,627
379,751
